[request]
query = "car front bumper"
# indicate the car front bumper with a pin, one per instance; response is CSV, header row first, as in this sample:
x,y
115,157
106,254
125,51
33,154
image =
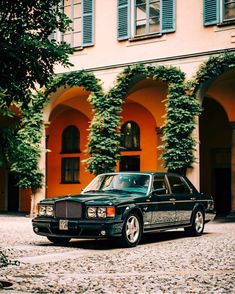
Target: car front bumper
x,y
77,228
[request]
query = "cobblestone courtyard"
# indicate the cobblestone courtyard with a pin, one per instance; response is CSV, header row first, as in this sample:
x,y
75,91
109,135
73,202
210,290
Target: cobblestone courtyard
x,y
167,262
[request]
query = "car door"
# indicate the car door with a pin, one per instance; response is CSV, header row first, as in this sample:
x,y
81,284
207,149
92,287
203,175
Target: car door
x,y
163,203
184,200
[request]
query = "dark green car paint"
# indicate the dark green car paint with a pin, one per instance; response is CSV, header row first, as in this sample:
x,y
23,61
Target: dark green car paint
x,y
156,210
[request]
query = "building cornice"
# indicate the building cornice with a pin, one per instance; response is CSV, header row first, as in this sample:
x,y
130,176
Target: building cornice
x,y
162,59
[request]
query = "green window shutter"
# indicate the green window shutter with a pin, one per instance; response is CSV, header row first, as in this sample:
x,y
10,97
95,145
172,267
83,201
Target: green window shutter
x,y
167,16
211,10
88,22
123,19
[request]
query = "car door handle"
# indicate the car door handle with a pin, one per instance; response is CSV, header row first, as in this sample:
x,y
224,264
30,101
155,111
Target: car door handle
x,y
172,199
193,198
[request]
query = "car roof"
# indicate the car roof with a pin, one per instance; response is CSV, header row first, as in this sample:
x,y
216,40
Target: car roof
x,y
140,173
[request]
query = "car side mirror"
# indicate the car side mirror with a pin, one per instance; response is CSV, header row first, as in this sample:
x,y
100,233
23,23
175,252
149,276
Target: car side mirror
x,y
159,191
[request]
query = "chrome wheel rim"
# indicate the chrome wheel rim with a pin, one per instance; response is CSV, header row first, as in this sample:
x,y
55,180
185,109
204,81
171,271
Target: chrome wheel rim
x,y
132,229
199,221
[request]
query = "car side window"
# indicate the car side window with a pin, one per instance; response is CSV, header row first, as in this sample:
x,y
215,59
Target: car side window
x,y
178,185
159,183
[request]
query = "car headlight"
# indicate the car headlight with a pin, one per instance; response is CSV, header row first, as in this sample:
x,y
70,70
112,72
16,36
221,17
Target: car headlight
x,y
101,212
91,212
45,210
42,210
49,210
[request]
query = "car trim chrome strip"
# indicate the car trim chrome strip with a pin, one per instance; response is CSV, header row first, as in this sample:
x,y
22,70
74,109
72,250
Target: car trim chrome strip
x,y
168,201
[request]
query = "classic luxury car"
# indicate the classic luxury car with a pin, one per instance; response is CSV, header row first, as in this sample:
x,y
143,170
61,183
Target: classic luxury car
x,y
125,205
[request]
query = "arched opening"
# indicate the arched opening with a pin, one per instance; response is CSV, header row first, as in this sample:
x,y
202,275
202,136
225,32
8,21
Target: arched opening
x,y
215,154
67,134
142,118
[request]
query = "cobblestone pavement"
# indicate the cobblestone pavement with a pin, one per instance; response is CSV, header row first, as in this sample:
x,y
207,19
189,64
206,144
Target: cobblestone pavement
x,y
167,262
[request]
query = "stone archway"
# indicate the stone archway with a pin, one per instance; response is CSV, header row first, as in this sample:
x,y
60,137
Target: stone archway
x,y
215,154
215,88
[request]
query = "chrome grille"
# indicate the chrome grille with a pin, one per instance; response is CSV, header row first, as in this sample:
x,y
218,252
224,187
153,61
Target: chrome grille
x,y
68,209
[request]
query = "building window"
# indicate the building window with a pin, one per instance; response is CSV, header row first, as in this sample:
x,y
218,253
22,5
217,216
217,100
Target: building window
x,y
73,10
81,14
219,12
71,140
130,163
145,17
229,9
130,136
70,170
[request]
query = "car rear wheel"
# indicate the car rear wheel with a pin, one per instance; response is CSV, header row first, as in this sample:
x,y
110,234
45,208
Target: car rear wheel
x,y
197,225
59,240
132,231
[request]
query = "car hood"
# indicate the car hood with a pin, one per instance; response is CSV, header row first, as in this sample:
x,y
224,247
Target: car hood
x,y
99,198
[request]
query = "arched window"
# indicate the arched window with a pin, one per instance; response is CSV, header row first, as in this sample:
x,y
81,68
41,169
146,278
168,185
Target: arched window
x,y
130,136
71,140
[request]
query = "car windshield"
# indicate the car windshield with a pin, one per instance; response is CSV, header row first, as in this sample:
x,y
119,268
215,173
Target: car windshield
x,y
130,183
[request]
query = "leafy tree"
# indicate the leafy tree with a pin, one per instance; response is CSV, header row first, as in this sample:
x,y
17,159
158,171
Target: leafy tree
x,y
28,54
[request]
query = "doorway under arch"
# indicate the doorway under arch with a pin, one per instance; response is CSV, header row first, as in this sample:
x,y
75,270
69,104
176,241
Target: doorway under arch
x,y
215,155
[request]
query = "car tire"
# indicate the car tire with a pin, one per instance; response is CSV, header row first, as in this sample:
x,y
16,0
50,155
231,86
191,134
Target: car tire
x,y
197,227
59,240
132,231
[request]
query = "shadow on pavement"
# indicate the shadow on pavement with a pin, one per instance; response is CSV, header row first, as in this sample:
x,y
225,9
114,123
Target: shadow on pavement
x,y
105,244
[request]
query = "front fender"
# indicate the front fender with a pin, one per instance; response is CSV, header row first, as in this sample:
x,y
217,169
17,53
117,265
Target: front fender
x,y
131,208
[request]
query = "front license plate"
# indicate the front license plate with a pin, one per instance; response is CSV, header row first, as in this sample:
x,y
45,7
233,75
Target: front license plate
x,y
63,224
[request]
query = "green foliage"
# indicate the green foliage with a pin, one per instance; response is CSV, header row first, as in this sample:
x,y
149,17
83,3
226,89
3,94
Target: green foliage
x,y
21,144
212,68
179,120
104,138
5,261
27,56
100,136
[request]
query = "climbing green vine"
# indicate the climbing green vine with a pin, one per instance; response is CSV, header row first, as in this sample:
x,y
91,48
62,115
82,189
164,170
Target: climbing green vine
x,y
21,141
100,140
211,69
179,120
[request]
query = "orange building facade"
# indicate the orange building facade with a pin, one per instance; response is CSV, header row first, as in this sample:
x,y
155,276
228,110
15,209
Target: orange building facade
x,y
184,34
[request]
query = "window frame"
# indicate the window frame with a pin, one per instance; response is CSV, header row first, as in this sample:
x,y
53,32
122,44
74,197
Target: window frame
x,y
75,141
182,182
126,20
133,123
134,20
213,13
87,24
71,33
223,13
75,170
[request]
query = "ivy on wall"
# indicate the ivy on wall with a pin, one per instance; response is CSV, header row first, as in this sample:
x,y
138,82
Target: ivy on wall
x,y
21,142
179,120
100,140
211,69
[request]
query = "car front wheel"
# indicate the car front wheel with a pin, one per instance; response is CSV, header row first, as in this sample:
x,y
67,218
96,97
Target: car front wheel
x,y
59,240
197,225
132,231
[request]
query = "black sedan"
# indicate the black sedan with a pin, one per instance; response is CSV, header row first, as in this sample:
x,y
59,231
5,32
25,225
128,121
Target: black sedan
x,y
124,206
